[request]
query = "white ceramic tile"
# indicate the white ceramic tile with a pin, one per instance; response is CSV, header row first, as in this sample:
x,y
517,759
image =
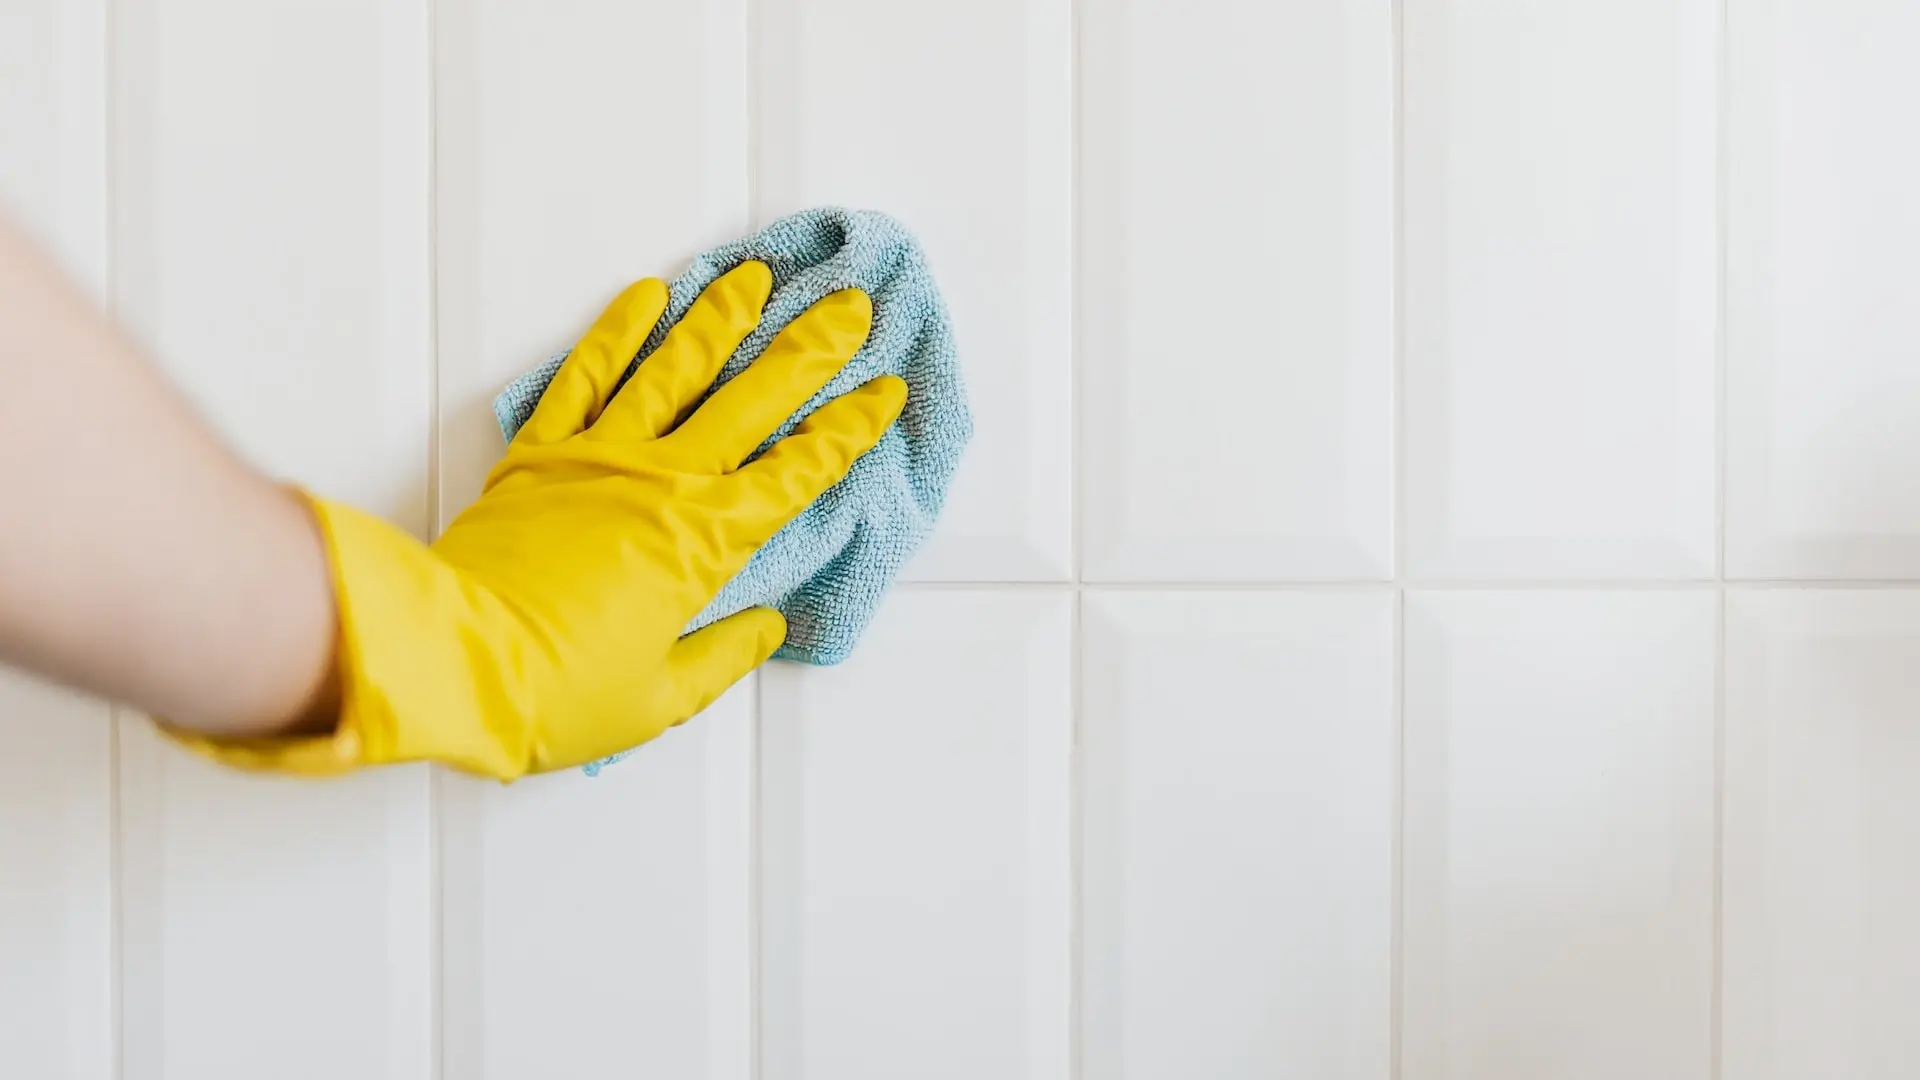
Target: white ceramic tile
x,y
56,839
270,927
1240,790
53,129
580,147
56,883
602,926
1822,378
271,232
1821,968
1237,303
1560,303
956,119
1558,853
595,925
270,242
916,868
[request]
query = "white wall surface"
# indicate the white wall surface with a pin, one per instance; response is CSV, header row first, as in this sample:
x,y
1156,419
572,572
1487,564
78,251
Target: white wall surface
x,y
1434,595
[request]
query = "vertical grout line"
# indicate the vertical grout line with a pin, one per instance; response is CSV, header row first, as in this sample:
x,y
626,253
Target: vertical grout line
x,y
756,213
1076,361
116,935
109,180
1719,833
1722,85
756,858
436,802
1076,841
1076,554
109,296
1397,302
431,11
1721,139
754,928
1397,307
1397,904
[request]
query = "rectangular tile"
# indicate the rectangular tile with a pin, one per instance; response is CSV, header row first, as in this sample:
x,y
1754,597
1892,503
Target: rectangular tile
x,y
1558,855
1561,296
271,232
602,926
1237,315
53,129
269,927
564,173
915,865
56,883
979,166
56,829
1821,969
271,245
1822,384
1240,790
593,926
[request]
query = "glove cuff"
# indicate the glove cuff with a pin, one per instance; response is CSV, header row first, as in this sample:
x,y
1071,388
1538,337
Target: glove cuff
x,y
419,655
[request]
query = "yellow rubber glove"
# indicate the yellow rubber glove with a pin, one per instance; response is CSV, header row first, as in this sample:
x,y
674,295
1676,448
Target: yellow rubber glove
x,y
542,630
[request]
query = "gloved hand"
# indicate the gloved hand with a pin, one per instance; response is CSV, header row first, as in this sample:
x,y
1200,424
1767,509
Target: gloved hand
x,y
542,630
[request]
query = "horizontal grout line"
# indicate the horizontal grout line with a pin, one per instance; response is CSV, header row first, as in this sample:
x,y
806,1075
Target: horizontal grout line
x,y
1823,583
1383,585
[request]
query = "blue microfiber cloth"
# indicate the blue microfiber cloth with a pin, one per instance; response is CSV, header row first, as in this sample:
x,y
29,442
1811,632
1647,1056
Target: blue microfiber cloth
x,y
828,568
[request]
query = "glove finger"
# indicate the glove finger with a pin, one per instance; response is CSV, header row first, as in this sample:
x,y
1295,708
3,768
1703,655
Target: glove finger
x,y
584,383
698,669
702,665
795,470
671,381
751,407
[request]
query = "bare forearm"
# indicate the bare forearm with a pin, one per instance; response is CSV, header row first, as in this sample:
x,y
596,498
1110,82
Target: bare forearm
x,y
139,558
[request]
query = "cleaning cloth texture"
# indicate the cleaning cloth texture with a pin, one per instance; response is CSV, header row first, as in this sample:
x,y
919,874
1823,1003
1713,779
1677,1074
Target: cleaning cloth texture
x,y
826,570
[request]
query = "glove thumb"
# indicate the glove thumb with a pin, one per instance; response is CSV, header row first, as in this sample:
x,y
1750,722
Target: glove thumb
x,y
706,662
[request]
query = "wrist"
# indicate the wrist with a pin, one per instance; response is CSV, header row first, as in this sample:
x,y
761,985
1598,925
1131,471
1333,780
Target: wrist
x,y
423,667
305,699
289,683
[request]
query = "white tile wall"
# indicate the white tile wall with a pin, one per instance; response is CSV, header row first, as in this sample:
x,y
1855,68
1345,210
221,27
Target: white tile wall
x,y
564,172
56,753
1558,836
915,859
271,243
56,883
630,941
1560,288
978,160
1239,769
1822,950
1327,665
1822,378
1237,290
53,128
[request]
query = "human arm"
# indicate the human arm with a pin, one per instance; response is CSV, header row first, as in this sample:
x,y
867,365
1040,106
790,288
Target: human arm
x,y
140,558
541,630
